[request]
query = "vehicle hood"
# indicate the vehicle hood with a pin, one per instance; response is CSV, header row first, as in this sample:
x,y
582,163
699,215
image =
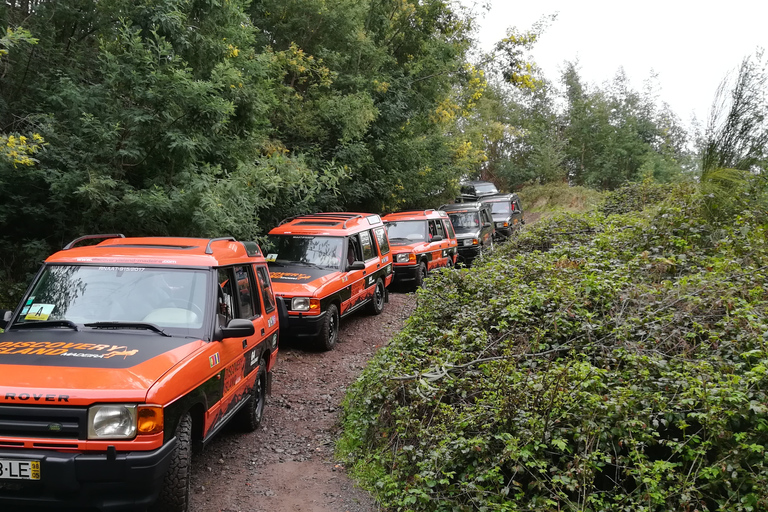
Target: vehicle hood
x,y
299,279
418,247
46,364
471,234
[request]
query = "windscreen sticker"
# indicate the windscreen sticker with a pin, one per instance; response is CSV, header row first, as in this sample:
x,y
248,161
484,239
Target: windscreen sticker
x,y
39,311
271,257
30,300
24,310
57,348
289,276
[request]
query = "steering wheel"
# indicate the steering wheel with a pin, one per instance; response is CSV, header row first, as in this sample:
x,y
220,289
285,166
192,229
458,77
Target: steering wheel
x,y
189,305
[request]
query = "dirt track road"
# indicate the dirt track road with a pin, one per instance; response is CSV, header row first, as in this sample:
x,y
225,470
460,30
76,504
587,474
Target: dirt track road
x,y
287,464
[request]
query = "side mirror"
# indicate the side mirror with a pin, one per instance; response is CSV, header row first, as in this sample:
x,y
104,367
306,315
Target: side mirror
x,y
437,238
7,314
238,328
356,265
487,224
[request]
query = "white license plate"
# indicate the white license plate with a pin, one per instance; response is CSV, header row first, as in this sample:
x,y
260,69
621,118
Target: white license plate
x,y
19,469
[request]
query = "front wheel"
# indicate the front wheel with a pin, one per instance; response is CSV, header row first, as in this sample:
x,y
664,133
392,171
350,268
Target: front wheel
x,y
329,332
376,306
421,275
174,497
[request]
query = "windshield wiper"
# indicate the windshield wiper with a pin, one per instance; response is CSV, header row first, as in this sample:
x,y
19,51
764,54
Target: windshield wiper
x,y
47,323
127,325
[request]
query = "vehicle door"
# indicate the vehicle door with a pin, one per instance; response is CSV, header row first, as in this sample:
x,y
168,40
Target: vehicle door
x,y
487,229
438,257
372,263
382,242
353,278
451,243
269,313
237,298
517,212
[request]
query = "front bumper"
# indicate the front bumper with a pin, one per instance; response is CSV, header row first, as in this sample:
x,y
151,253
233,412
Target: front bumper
x,y
76,481
302,326
468,253
405,273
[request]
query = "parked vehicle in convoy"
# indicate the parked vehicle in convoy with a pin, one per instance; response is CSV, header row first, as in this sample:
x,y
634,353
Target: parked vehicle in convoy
x,y
474,228
473,190
422,241
507,213
325,266
124,356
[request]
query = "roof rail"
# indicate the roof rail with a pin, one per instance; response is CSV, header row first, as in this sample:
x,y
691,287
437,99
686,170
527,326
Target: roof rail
x,y
346,217
91,237
208,249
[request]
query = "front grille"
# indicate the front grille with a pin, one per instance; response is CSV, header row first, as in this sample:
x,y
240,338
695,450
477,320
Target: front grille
x,y
47,422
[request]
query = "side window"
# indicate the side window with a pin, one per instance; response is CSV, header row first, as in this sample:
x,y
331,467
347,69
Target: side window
x,y
439,228
353,250
382,239
266,290
366,242
449,228
226,298
485,217
244,283
432,229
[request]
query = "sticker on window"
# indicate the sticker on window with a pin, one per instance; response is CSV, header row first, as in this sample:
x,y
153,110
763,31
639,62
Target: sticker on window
x,y
39,311
271,257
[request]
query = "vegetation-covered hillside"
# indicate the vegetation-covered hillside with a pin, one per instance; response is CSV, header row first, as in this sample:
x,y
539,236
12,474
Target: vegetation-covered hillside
x,y
601,361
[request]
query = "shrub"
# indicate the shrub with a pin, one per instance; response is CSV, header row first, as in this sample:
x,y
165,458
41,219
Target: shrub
x,y
595,363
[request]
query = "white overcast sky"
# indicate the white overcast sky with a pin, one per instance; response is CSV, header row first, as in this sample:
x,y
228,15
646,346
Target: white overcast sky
x,y
691,45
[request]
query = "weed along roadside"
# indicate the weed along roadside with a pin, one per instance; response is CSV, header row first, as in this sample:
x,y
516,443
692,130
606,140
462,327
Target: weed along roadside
x,y
602,361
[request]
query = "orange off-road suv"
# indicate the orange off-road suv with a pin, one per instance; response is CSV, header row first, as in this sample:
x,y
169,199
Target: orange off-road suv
x,y
124,356
422,240
325,266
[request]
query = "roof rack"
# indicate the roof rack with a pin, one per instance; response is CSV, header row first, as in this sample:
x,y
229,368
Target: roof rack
x,y
346,217
425,212
208,249
91,237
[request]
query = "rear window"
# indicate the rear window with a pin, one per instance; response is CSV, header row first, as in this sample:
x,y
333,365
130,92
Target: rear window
x,y
382,239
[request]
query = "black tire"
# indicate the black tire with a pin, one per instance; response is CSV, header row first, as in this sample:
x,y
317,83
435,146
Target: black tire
x,y
174,496
376,306
421,275
251,414
329,332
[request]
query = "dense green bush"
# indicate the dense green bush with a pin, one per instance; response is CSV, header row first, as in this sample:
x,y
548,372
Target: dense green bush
x,y
595,363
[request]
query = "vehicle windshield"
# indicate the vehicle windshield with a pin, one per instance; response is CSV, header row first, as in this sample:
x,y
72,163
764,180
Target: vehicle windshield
x,y
75,295
407,231
320,251
500,207
480,189
465,222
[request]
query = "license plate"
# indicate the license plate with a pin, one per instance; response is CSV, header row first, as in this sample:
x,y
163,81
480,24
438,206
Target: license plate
x,y
19,469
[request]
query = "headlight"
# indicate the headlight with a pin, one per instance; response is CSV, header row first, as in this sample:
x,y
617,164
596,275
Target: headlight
x,y
404,257
468,241
305,304
114,421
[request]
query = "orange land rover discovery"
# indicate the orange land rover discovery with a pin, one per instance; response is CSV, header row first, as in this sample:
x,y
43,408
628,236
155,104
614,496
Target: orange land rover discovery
x,y
124,356
422,240
325,266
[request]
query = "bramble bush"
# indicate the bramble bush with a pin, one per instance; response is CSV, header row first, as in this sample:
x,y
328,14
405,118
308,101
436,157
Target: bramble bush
x,y
596,362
